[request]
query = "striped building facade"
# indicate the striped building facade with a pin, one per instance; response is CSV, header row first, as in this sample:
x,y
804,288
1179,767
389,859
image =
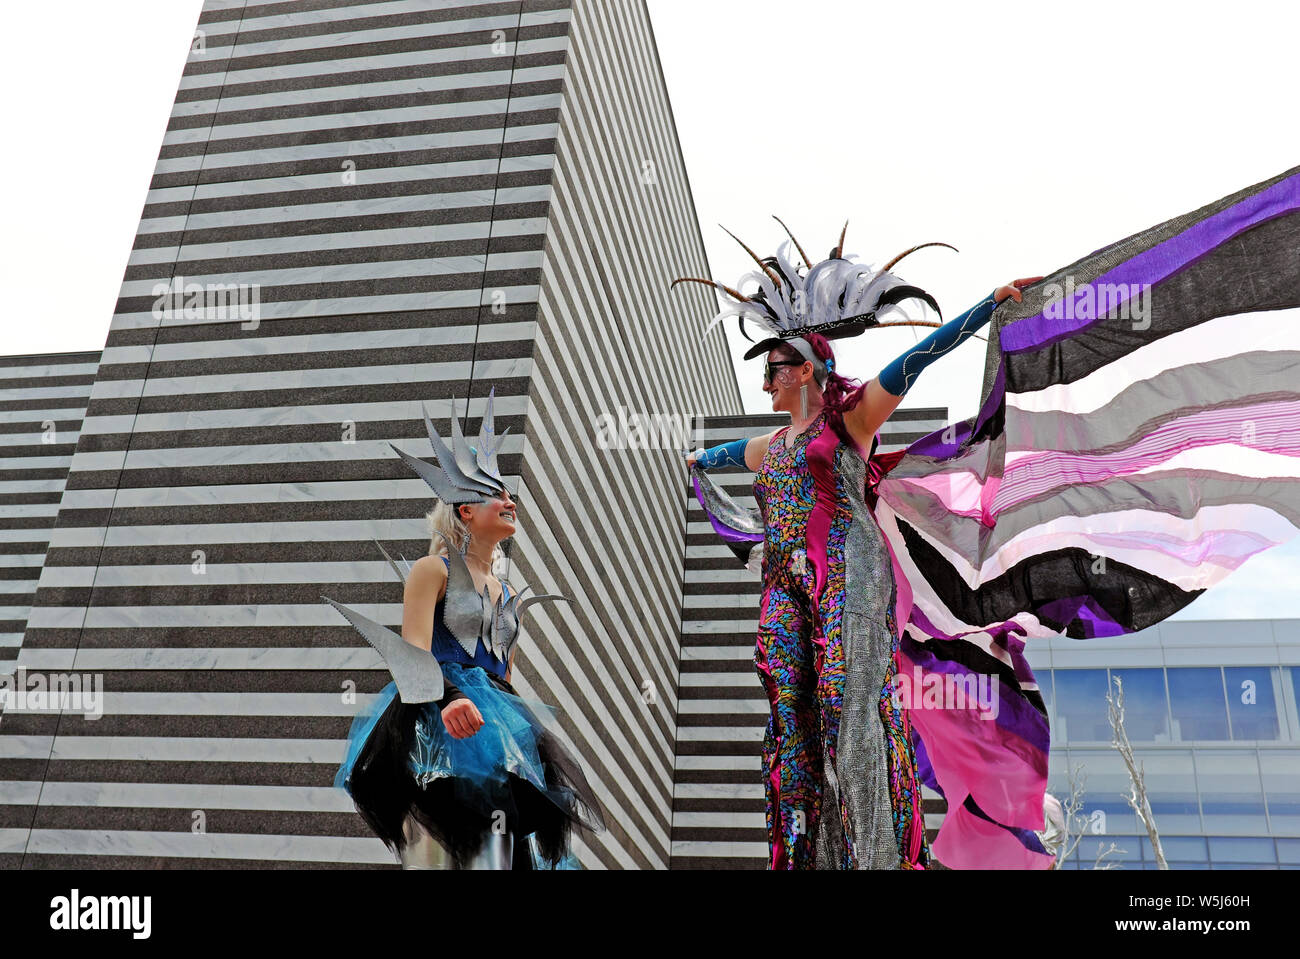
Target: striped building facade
x,y
723,711
42,402
359,208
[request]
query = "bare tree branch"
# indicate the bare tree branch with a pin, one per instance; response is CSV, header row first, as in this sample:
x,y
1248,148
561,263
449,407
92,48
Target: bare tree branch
x,y
1103,853
1137,796
1077,824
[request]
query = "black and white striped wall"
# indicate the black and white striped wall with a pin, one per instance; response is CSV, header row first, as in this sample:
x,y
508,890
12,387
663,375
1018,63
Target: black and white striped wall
x,y
42,401
613,352
422,199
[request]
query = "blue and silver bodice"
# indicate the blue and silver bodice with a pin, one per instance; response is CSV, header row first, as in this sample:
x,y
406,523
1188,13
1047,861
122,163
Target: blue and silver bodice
x,y
469,628
446,648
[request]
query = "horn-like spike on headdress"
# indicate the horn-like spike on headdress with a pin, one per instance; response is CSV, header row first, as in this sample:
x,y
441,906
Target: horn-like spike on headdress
x,y
719,286
486,453
501,441
468,459
439,481
485,429
456,461
450,458
919,246
896,294
459,448
839,250
775,277
806,261
910,323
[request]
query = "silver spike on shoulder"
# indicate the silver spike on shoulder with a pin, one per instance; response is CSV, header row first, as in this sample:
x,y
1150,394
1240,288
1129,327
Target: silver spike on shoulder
x,y
544,597
415,671
396,569
505,627
462,612
515,610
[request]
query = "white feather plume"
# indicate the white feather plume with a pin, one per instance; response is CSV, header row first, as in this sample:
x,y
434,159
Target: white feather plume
x,y
834,289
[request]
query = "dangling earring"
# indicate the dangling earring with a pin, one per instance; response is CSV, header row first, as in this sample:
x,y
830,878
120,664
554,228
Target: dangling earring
x,y
803,402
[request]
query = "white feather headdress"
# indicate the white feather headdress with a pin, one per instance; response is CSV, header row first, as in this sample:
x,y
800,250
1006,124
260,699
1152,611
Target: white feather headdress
x,y
838,297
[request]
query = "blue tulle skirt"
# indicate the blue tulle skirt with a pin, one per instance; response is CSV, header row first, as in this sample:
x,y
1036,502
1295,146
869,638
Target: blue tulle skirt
x,y
401,759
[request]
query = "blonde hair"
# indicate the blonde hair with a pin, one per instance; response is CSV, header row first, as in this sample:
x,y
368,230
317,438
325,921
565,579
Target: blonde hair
x,y
445,519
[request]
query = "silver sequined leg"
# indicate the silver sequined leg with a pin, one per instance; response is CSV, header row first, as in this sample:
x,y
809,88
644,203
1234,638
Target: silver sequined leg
x,y
863,747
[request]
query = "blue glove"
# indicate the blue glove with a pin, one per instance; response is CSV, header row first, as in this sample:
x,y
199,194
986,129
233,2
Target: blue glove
x,y
728,454
897,378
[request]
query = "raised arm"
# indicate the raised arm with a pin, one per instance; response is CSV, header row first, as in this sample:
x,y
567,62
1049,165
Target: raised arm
x,y
881,396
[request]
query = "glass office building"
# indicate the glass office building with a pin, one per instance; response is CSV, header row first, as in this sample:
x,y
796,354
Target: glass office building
x,y
1211,711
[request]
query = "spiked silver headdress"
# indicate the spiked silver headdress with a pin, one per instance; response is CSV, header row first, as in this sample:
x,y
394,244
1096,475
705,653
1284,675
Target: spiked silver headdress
x,y
837,297
463,474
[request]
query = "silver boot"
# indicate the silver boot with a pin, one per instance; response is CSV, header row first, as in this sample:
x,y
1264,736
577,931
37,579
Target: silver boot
x,y
422,851
497,852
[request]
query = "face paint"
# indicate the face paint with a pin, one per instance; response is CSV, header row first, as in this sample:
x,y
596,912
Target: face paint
x,y
771,366
494,519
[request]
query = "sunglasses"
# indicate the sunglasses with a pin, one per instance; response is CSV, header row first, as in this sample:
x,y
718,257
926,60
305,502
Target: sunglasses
x,y
769,364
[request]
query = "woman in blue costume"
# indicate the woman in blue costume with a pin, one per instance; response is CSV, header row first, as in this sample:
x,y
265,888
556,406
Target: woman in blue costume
x,y
449,765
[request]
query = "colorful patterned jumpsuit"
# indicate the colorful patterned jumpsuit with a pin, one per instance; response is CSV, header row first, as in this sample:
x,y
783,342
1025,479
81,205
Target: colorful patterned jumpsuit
x,y
810,496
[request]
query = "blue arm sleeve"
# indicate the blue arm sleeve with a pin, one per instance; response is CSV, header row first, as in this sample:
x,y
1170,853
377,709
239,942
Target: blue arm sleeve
x,y
728,454
897,378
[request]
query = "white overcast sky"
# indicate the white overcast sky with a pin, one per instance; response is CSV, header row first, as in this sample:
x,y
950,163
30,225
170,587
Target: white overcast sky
x,y
1024,134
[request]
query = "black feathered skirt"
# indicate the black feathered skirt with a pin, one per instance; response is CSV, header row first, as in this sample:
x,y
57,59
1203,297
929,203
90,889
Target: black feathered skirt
x,y
513,773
